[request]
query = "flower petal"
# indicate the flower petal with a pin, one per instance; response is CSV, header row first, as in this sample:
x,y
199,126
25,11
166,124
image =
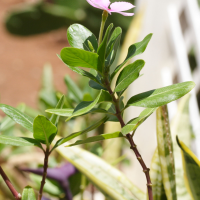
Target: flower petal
x,y
104,3
121,6
91,2
125,14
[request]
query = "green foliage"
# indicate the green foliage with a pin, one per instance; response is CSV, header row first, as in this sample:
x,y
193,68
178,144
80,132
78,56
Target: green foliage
x,y
78,37
191,166
161,96
44,130
129,74
102,50
133,124
109,180
133,50
19,141
97,138
28,193
165,151
19,117
73,135
77,57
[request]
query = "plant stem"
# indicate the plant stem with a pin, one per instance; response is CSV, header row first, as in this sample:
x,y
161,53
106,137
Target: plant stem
x,y
16,194
47,153
104,18
130,139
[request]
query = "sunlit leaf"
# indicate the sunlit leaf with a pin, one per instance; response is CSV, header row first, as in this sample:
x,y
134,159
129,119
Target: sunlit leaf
x,y
19,117
161,96
97,138
28,193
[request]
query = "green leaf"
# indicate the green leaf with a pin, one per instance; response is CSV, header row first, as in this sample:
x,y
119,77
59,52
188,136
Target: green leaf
x,y
102,49
129,74
181,126
28,193
80,71
96,85
73,88
191,166
19,117
109,180
86,106
133,124
79,58
55,118
113,46
7,122
19,141
97,138
156,178
161,96
133,50
43,130
78,37
165,151
73,135
67,112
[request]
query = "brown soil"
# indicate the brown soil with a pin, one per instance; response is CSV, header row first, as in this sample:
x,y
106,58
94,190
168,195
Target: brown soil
x,y
22,60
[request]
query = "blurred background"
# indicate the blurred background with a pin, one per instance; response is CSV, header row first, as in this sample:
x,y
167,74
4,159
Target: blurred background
x,y
32,32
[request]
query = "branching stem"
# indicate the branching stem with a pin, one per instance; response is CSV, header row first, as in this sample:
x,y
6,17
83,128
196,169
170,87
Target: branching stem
x,y
47,153
16,194
130,139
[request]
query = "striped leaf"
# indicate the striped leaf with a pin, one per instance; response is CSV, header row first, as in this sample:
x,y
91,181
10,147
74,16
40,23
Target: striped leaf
x,y
181,126
156,178
110,181
165,151
191,166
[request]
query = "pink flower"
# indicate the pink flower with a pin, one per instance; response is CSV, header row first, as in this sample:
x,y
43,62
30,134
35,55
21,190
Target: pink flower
x,y
117,7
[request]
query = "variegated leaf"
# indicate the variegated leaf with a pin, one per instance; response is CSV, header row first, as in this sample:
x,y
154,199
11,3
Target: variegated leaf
x,y
181,126
156,178
165,151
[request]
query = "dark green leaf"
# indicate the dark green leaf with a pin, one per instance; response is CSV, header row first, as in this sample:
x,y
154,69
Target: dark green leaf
x,y
102,49
73,88
28,193
73,135
133,124
96,86
113,46
43,130
79,58
19,117
134,50
86,106
78,37
97,138
55,118
161,96
129,74
80,71
19,141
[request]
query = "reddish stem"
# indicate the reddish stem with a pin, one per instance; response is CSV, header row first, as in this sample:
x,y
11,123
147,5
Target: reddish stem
x,y
44,173
16,194
131,141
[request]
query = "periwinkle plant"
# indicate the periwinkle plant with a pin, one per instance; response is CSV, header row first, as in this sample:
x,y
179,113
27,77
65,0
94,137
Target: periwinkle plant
x,y
98,56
